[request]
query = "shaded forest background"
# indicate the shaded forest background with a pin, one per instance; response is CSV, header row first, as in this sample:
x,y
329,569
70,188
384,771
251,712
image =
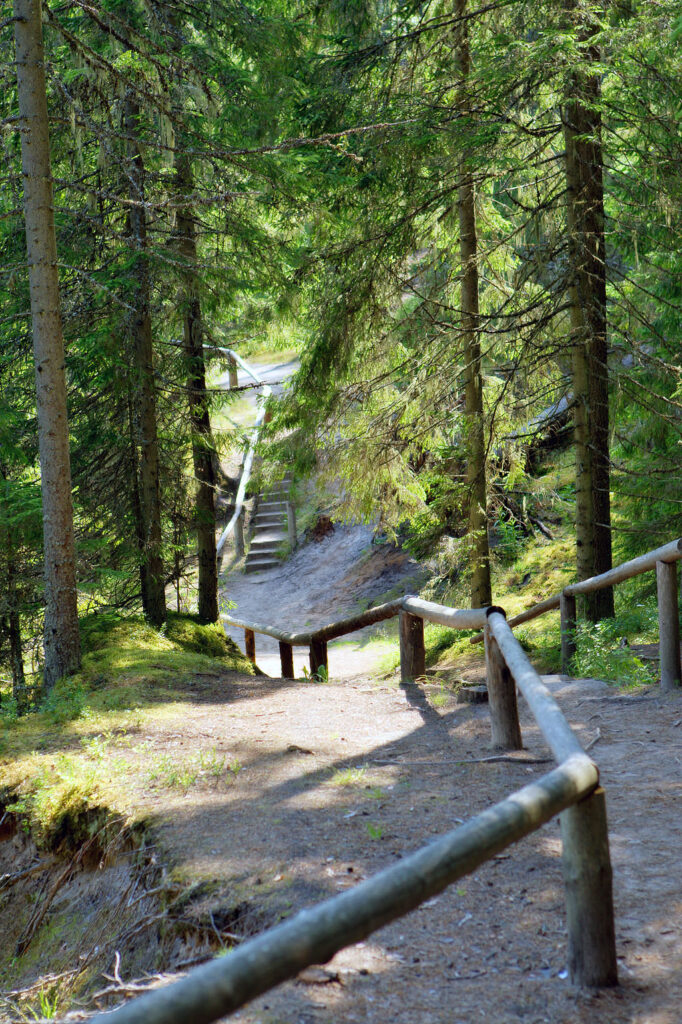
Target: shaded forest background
x,y
463,216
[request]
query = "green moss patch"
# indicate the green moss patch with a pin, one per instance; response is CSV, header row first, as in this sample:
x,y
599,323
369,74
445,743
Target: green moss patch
x,y
74,759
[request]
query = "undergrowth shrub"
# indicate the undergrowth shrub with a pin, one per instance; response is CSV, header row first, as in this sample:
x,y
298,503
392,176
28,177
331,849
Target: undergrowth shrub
x,y
597,655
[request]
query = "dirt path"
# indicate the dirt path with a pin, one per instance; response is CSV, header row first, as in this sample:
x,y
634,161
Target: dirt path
x,y
333,782
321,582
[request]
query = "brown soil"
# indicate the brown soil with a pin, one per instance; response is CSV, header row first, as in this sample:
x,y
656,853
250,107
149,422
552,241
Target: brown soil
x,y
336,781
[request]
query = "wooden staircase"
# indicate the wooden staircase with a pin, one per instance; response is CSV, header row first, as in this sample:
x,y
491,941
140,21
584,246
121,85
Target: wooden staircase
x,y
272,525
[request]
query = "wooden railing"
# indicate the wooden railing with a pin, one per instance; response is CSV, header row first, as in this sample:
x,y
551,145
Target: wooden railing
x,y
571,790
236,522
664,560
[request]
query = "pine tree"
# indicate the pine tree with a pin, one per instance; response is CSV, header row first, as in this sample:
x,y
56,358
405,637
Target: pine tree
x,y
61,636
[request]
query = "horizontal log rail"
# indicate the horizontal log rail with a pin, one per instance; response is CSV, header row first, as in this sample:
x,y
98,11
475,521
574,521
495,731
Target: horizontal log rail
x,y
316,640
571,790
664,561
315,935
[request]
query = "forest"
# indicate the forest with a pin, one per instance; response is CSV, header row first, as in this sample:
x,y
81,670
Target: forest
x,y
463,216
447,234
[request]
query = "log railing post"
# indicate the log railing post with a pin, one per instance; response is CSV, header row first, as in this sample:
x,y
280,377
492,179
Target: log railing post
x,y
504,712
589,893
250,645
318,655
412,653
286,657
668,625
568,626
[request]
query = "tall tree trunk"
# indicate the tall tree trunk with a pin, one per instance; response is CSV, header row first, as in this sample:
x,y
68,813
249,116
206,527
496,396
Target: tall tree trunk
x,y
136,504
202,440
473,390
61,638
587,286
154,601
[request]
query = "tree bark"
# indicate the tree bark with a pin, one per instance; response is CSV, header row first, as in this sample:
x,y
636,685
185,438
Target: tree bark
x,y
61,637
587,289
202,439
154,597
481,593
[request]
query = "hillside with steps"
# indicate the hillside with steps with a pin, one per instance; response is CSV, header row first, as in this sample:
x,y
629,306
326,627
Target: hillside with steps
x,y
270,528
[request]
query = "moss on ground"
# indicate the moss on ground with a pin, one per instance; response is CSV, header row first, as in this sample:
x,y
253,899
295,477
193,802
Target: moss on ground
x,y
63,766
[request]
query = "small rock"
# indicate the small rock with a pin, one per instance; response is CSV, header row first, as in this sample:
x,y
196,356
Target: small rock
x,y
473,694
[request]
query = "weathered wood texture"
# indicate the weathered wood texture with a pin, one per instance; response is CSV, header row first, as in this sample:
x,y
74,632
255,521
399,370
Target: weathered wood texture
x,y
297,639
316,934
412,654
643,563
366,618
589,893
318,655
250,645
568,626
668,625
455,618
530,613
554,727
286,657
504,713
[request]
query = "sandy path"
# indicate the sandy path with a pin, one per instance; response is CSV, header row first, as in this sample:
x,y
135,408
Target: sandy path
x,y
339,780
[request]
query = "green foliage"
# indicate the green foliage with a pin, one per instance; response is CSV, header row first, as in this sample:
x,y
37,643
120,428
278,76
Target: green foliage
x,y
65,701
599,656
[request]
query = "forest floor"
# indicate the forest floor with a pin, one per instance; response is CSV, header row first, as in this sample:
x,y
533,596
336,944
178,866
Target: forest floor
x,y
338,780
262,796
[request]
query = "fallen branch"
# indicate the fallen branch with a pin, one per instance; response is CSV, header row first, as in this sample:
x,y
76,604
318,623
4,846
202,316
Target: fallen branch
x,y
11,879
507,758
593,741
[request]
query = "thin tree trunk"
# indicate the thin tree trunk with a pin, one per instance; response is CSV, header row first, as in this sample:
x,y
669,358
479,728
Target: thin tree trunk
x,y
135,501
13,627
473,390
202,439
587,288
61,638
141,329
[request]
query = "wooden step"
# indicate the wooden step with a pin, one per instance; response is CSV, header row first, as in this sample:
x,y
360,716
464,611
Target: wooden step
x,y
261,563
272,506
267,519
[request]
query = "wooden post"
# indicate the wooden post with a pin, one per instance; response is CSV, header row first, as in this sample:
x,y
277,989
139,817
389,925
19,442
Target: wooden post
x,y
250,645
286,657
589,893
412,654
568,625
239,535
318,655
504,712
291,525
668,625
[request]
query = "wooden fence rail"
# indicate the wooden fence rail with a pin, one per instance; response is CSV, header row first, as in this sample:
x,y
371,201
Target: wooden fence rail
x,y
571,790
316,640
664,561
